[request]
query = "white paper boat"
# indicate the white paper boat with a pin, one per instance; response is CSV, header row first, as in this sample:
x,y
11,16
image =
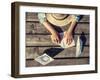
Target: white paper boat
x,y
78,47
63,42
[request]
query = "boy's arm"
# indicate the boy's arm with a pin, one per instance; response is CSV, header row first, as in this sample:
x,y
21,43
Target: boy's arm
x,y
42,19
68,34
71,27
75,19
49,27
54,35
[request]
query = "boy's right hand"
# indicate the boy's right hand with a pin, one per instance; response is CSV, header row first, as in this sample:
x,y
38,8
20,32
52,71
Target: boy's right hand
x,y
55,38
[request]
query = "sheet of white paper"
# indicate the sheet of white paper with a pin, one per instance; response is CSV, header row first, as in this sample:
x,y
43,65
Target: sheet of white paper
x,y
63,42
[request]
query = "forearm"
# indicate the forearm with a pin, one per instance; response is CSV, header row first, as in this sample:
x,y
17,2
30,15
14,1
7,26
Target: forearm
x,y
71,27
49,27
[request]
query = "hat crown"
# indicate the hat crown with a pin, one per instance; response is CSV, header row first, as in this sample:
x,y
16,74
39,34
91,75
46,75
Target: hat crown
x,y
59,16
58,20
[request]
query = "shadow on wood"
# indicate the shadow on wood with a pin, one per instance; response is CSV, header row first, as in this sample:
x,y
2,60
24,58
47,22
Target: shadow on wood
x,y
53,51
83,39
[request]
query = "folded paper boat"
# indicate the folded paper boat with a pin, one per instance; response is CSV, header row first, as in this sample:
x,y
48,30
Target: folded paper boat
x,y
79,45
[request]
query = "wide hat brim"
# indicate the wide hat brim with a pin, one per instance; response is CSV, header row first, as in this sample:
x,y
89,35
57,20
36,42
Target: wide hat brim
x,y
54,21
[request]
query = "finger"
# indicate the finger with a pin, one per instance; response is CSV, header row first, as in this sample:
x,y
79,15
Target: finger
x,y
66,41
58,40
53,40
70,41
59,37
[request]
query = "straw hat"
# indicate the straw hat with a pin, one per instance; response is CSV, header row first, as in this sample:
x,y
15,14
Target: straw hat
x,y
57,19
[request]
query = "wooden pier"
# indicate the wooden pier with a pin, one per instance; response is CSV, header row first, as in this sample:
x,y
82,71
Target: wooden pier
x,y
38,40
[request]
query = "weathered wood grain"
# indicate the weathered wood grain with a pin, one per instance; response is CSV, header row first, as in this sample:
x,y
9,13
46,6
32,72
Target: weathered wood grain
x,y
45,40
33,27
33,17
85,18
59,62
56,52
37,35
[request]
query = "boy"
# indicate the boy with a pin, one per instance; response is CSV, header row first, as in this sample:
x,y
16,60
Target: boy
x,y
57,23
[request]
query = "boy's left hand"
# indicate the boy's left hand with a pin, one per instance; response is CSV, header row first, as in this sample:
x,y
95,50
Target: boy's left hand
x,y
68,37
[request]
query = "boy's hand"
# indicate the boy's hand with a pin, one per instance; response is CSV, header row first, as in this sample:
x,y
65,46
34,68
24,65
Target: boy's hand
x,y
68,37
55,38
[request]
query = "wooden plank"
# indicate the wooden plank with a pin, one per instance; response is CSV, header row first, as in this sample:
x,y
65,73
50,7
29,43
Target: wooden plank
x,y
33,17
33,27
59,62
85,18
55,52
45,40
